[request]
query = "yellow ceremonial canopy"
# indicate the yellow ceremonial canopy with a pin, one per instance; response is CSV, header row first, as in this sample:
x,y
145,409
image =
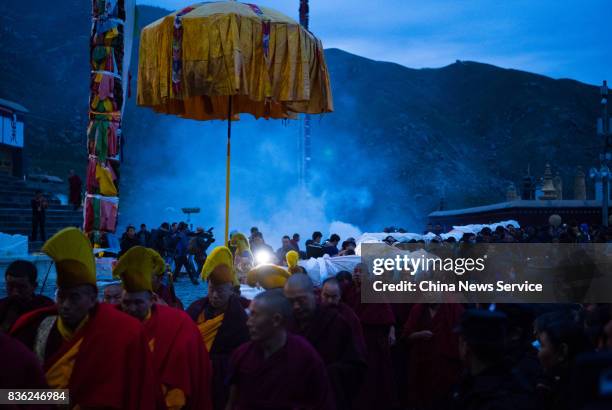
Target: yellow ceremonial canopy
x,y
194,60
215,60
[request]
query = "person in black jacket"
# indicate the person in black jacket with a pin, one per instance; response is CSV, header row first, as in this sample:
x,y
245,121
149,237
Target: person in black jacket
x,y
488,383
561,340
144,236
39,208
159,239
128,240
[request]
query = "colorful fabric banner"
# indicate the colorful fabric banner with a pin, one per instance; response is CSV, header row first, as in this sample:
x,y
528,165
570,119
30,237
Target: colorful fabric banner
x,y
112,28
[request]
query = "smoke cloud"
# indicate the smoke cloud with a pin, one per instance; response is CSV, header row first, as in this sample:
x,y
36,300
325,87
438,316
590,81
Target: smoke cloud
x,y
182,164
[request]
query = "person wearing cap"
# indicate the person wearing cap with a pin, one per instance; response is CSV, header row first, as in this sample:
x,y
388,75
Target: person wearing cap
x,y
243,257
292,258
97,352
179,356
267,276
277,369
488,383
220,318
21,278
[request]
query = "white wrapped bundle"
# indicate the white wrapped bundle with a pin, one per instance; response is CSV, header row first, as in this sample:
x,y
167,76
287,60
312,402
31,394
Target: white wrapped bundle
x,y
322,268
457,232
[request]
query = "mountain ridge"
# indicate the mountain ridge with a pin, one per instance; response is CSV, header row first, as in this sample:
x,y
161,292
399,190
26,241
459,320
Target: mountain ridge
x,y
462,132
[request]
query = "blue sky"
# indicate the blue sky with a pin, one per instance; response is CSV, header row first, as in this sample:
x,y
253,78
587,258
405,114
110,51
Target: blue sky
x,y
561,39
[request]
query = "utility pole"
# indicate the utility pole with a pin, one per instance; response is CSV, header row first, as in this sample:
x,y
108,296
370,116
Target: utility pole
x,y
603,174
306,143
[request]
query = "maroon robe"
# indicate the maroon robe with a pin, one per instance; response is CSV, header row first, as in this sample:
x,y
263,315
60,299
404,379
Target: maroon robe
x,y
351,318
20,369
330,334
293,377
433,364
399,351
167,294
113,367
378,390
180,358
12,308
232,333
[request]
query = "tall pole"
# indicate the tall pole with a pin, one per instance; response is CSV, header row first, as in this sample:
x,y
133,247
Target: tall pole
x,y
606,155
306,139
227,170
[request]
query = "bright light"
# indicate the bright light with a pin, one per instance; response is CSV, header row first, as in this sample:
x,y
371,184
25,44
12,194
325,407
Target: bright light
x,y
262,256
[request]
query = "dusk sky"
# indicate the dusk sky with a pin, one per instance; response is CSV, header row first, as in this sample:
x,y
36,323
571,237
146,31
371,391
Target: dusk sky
x,y
561,39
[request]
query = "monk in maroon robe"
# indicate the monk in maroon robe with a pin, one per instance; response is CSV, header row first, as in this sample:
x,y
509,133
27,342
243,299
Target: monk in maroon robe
x,y
163,287
222,324
75,186
114,367
20,370
399,351
180,358
377,324
331,335
434,364
21,282
277,370
92,349
330,296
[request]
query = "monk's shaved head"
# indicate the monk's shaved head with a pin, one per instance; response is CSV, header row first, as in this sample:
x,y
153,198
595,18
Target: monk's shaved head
x,y
112,294
274,301
300,282
331,292
270,312
300,292
331,282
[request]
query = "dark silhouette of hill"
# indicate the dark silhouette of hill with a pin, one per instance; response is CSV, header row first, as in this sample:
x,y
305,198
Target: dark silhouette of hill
x,y
463,132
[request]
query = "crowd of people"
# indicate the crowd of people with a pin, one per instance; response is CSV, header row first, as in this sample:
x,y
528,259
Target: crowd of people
x,y
176,243
294,345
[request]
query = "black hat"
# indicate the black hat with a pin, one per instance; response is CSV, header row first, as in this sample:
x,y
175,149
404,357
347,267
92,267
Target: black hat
x,y
483,327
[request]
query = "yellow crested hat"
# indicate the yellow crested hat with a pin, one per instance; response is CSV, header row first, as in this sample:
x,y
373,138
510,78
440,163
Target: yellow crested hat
x,y
292,258
159,265
268,276
136,267
219,266
72,253
240,242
